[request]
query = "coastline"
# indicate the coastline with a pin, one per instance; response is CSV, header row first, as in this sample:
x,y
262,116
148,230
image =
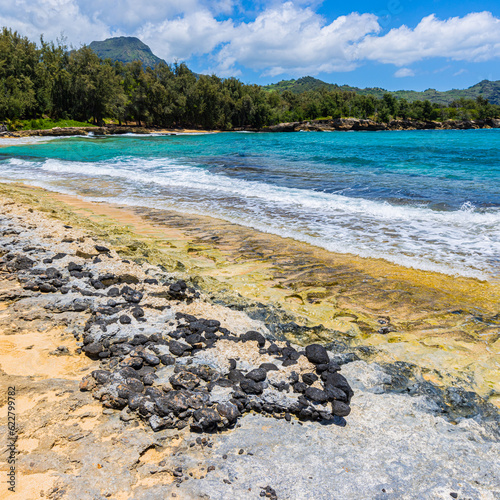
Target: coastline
x,y
320,125
71,443
447,325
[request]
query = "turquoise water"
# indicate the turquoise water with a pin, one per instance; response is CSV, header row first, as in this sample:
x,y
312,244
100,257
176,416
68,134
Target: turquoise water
x,y
424,199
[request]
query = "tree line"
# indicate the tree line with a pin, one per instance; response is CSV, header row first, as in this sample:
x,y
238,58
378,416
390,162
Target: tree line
x,y
49,80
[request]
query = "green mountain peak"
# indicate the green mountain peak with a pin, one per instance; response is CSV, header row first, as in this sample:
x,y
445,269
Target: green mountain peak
x,y
125,49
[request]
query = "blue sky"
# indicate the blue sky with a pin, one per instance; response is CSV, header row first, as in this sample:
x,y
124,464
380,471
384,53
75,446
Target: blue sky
x,y
394,44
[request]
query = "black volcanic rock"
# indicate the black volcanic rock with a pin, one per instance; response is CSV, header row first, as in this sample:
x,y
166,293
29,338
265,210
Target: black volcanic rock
x,y
317,354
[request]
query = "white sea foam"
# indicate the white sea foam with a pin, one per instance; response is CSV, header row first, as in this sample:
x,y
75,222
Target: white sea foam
x,y
465,241
22,141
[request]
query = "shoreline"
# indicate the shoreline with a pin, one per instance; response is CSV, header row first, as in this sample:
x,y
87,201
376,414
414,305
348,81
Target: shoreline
x,y
320,125
79,438
446,323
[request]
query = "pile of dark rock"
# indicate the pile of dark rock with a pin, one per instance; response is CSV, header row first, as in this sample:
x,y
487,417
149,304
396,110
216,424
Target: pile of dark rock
x,y
168,380
168,367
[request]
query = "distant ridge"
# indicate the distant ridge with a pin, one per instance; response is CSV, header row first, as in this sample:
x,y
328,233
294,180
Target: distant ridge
x,y
125,49
486,89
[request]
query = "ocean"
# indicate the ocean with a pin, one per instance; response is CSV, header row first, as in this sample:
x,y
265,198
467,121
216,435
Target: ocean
x,y
423,199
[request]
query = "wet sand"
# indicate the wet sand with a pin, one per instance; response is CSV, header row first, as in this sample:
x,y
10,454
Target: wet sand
x,y
448,326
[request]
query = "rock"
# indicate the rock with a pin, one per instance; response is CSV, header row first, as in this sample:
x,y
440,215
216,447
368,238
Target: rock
x,y
290,353
102,249
149,378
228,411
173,402
125,416
253,335
131,295
167,359
116,403
139,339
157,423
53,273
309,378
300,387
273,349
178,348
88,383
146,407
135,400
101,376
205,419
74,267
340,409
269,367
257,375
137,312
128,372
185,380
334,393
316,395
135,385
125,320
317,354
251,387
195,338
235,376
339,381
150,359
328,367
79,305
93,349
132,362
21,263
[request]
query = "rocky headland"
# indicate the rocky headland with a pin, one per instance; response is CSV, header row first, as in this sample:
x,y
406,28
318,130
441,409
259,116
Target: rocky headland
x,y
134,381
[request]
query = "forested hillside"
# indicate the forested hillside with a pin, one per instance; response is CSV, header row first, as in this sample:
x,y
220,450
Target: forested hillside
x,y
48,81
485,89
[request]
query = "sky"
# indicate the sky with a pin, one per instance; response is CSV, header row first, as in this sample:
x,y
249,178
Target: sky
x,y
393,44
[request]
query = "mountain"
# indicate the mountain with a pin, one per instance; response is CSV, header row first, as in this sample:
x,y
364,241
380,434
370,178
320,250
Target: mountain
x,y
125,49
488,90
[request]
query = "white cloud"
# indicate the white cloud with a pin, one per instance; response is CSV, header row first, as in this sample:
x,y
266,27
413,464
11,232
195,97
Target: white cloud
x,y
292,39
182,37
474,37
51,18
460,72
403,72
280,38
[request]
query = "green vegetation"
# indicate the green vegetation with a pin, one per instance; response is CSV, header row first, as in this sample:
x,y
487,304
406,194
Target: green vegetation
x,y
125,49
485,89
44,124
49,82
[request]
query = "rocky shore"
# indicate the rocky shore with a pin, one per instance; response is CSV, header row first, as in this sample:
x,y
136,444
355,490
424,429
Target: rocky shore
x,y
338,124
98,131
134,383
347,124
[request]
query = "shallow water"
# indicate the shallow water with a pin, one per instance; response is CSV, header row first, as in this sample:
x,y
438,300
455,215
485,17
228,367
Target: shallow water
x,y
423,199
